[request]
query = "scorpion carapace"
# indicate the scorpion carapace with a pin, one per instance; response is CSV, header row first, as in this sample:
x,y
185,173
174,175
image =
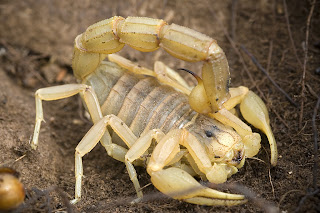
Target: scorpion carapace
x,y
157,120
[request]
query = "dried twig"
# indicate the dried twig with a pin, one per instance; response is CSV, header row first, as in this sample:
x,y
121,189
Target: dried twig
x,y
303,88
254,60
312,92
315,145
35,195
305,197
270,180
9,163
290,34
269,171
269,56
261,203
316,189
233,19
286,194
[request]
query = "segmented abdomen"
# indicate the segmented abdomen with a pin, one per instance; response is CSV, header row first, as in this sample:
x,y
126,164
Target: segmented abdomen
x,y
141,102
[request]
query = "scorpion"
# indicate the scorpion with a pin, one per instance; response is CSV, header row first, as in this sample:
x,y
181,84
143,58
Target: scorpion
x,y
153,118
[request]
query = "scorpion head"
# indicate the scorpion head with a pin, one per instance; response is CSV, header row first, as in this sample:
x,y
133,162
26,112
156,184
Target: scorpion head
x,y
222,144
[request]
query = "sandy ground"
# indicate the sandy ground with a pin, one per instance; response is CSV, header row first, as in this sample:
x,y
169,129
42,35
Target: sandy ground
x,y
36,42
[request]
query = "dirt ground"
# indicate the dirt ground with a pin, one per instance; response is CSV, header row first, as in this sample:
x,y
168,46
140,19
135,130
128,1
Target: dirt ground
x,y
36,42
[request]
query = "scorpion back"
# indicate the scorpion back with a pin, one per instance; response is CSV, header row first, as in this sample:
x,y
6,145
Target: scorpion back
x,y
142,103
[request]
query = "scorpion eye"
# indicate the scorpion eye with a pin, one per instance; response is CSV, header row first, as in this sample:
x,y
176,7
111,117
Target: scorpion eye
x,y
208,133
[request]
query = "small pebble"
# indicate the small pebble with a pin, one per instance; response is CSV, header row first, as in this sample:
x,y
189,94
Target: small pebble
x,y
12,192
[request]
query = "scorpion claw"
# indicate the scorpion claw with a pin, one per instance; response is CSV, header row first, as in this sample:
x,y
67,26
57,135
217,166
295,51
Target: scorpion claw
x,y
255,112
180,185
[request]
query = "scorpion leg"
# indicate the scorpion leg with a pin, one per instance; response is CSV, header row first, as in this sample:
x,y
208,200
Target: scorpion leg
x,y
137,146
93,136
60,92
129,65
90,98
255,112
179,184
136,151
163,73
170,77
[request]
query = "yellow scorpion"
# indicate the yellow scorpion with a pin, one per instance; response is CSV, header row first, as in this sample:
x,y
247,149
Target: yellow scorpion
x,y
157,121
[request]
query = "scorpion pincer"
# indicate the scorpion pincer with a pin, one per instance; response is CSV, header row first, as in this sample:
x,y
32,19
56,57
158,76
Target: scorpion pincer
x,y
155,117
